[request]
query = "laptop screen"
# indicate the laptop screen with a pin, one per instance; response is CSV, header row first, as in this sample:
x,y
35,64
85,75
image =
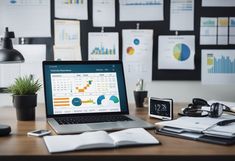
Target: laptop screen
x,y
76,87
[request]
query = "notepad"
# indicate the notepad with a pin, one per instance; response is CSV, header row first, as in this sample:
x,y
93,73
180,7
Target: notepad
x,y
99,139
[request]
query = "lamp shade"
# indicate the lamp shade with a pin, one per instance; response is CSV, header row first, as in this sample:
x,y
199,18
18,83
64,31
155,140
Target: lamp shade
x,y
7,53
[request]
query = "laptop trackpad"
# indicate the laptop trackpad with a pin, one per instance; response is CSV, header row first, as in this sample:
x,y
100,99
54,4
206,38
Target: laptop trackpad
x,y
105,126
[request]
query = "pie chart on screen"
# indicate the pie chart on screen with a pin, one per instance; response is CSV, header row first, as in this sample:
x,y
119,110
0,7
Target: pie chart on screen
x,y
181,52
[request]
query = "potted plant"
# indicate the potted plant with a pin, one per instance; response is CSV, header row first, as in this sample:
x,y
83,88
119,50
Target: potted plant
x,y
24,96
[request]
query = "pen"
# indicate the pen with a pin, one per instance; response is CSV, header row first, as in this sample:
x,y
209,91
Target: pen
x,y
225,122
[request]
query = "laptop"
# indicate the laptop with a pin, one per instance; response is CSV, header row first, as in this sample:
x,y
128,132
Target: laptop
x,y
83,96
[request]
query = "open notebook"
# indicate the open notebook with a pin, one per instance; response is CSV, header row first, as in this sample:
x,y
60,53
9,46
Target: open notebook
x,y
99,139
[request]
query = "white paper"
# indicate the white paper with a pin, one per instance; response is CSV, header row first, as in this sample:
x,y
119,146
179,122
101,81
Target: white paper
x,y
33,55
137,54
223,30
26,18
176,52
232,30
218,66
67,53
103,46
67,33
71,9
182,15
141,10
208,31
104,13
218,3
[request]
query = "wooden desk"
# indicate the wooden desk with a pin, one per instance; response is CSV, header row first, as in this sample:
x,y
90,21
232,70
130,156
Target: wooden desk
x,y
19,146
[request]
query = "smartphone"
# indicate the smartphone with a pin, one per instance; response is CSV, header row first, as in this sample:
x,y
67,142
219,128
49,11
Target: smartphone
x,y
39,132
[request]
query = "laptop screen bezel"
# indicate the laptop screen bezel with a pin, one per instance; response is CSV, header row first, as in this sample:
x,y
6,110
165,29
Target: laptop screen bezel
x,y
83,63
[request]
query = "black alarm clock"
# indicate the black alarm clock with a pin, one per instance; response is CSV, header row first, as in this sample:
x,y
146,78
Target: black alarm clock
x,y
161,108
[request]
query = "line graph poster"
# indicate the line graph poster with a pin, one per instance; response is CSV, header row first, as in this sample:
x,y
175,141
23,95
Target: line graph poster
x,y
141,10
137,54
176,52
103,46
104,13
218,66
71,9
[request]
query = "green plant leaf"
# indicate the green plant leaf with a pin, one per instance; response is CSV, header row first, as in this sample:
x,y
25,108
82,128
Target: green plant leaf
x,y
25,86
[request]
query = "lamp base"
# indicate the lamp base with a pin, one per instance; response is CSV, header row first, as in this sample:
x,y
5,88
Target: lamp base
x,y
5,130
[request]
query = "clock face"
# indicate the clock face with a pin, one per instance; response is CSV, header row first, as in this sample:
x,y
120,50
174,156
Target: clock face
x,y
160,108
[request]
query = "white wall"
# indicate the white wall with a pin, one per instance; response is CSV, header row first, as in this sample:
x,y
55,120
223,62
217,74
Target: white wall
x,y
184,91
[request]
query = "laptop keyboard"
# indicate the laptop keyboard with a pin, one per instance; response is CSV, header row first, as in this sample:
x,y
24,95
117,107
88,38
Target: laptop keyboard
x,y
91,119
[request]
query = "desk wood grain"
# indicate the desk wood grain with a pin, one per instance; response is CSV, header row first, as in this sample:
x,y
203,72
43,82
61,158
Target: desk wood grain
x,y
19,145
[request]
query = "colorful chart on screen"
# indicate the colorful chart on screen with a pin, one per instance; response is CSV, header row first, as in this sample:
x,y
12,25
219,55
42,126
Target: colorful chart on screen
x,y
85,92
181,52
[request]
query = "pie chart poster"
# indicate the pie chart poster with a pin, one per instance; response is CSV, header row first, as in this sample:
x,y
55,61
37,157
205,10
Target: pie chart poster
x,y
176,52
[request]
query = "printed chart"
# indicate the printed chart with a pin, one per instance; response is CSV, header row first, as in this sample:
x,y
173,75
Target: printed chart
x,y
141,10
181,52
176,52
71,9
103,46
67,33
85,93
218,66
137,54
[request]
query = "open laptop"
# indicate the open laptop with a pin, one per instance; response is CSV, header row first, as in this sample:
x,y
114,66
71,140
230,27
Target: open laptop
x,y
87,96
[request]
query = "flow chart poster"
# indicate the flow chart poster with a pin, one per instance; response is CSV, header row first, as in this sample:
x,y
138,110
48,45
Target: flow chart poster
x,y
218,66
103,46
137,54
176,52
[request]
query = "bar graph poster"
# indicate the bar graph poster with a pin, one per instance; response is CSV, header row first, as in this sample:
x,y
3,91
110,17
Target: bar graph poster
x,y
141,10
67,33
179,9
218,66
104,13
176,52
26,18
71,9
103,46
137,54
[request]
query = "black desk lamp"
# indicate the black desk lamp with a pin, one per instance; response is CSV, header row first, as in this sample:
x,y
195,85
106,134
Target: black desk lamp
x,y
8,55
